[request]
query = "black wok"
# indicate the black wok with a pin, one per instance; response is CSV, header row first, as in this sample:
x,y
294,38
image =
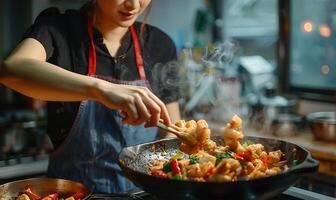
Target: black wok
x,y
134,162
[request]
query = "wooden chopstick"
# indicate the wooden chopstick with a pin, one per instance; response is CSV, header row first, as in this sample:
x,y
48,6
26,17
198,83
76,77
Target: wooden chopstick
x,y
184,137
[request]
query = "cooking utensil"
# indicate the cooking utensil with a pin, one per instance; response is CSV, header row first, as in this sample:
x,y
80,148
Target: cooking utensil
x,y
134,161
286,124
323,125
183,136
10,191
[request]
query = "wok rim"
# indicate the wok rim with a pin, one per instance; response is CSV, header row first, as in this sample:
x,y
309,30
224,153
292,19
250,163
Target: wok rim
x,y
309,165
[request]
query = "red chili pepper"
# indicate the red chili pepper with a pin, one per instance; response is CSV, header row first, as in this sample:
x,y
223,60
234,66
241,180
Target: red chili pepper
x,y
78,195
31,194
244,156
265,161
210,171
175,167
52,196
158,173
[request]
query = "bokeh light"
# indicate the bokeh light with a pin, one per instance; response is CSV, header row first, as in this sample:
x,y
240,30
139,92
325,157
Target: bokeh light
x,y
325,69
307,26
325,30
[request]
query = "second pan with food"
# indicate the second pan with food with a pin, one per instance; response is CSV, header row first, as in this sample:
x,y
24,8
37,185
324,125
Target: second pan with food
x,y
136,162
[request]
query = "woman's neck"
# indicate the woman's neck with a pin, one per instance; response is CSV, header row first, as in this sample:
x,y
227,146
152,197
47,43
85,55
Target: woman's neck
x,y
111,32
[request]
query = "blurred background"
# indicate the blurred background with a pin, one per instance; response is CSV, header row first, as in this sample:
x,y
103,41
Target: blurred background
x,y
273,62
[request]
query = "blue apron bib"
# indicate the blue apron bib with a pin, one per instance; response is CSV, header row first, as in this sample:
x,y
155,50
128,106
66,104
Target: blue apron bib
x,y
89,154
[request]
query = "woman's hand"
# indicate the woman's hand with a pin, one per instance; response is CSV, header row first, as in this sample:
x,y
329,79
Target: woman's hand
x,y
138,104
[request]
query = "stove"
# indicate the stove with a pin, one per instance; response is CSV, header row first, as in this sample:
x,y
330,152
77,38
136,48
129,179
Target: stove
x,y
293,193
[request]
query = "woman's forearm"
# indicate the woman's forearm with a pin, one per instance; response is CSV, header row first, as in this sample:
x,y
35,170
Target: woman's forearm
x,y
45,81
27,72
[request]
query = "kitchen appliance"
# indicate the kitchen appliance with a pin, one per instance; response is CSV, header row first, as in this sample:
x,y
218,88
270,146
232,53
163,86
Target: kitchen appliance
x,y
323,125
24,144
134,161
267,106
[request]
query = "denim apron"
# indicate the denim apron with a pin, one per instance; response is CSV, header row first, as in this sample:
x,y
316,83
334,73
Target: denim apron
x,y
89,154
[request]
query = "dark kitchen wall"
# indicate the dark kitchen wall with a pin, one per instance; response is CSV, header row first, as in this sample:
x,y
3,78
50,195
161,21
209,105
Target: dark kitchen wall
x,y
15,18
1,28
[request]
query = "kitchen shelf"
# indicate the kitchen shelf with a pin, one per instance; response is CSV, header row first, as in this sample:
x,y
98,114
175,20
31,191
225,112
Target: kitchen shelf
x,y
24,169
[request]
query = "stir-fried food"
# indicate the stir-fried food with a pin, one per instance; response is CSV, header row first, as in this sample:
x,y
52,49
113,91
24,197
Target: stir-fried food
x,y
204,160
28,194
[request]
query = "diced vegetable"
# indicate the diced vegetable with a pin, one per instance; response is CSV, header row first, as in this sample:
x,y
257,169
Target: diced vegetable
x,y
295,162
78,195
194,160
178,156
210,171
244,156
51,196
175,167
247,143
177,177
31,194
70,198
220,156
264,159
158,173
166,168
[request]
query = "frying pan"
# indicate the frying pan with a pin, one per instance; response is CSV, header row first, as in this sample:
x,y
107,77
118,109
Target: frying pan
x,y
43,186
134,161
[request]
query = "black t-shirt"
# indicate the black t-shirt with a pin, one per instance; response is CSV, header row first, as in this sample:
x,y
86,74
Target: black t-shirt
x,y
66,41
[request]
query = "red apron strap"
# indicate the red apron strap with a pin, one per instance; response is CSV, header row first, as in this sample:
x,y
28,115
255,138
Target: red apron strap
x,y
138,57
92,51
92,48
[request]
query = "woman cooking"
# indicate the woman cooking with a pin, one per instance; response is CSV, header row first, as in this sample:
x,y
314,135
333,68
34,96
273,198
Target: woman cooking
x,y
98,56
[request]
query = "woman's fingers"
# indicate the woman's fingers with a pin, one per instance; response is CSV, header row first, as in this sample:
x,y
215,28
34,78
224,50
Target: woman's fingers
x,y
153,108
131,111
143,106
144,114
163,109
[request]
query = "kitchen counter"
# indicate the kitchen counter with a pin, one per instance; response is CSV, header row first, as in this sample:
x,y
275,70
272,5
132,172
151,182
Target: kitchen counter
x,y
325,152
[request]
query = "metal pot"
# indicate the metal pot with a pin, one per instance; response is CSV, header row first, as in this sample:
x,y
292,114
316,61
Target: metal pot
x,y
10,191
285,125
323,125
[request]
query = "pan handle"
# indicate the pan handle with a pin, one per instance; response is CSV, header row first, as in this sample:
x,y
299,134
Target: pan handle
x,y
309,165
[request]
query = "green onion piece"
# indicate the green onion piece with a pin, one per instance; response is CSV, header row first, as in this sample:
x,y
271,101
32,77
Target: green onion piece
x,y
194,160
177,156
166,168
177,177
295,162
247,143
220,156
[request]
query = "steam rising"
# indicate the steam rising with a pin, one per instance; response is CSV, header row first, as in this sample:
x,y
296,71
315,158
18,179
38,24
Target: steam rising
x,y
222,53
181,78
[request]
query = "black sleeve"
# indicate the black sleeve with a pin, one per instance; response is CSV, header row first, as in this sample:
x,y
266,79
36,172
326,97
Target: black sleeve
x,y
46,25
166,68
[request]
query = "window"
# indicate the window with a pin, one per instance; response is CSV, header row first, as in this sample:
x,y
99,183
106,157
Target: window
x,y
311,50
